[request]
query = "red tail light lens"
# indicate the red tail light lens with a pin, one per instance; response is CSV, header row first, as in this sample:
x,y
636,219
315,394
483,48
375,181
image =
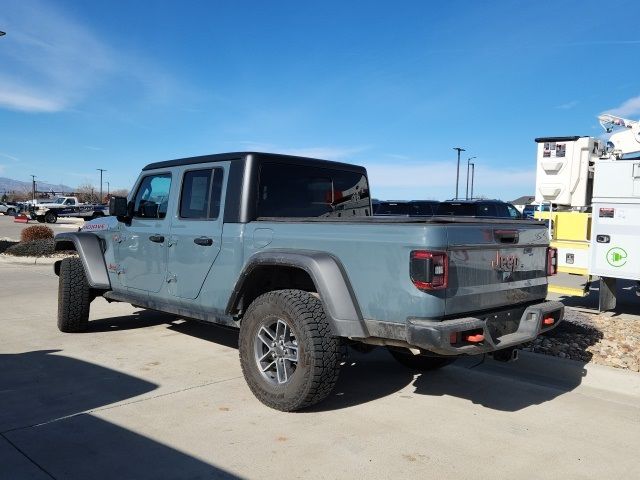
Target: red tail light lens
x,y
429,270
552,261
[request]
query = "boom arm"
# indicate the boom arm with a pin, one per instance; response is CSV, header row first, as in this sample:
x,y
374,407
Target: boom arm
x,y
623,142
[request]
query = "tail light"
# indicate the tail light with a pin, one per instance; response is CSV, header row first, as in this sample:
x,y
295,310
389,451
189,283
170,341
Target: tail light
x,y
552,261
429,270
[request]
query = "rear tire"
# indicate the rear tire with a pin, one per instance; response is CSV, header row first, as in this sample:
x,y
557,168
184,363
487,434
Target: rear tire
x,y
421,363
289,356
50,217
74,296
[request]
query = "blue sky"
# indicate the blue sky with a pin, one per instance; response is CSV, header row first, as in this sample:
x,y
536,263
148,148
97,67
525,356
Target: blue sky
x,y
390,85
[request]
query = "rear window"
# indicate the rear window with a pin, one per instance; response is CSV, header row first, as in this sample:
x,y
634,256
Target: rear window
x,y
392,208
456,209
300,191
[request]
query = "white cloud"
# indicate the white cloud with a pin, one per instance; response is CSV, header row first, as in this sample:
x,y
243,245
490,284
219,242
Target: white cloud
x,y
568,105
630,107
52,61
10,157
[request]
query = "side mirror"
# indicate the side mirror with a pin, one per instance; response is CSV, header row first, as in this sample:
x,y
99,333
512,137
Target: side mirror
x,y
118,207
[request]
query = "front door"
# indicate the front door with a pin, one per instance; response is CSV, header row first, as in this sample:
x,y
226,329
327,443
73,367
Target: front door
x,y
196,230
142,248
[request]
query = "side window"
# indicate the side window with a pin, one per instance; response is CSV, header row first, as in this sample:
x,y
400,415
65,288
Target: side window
x,y
301,191
487,210
152,197
513,212
69,201
201,193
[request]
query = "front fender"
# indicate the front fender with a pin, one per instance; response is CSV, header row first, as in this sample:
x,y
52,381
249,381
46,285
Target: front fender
x,y
90,252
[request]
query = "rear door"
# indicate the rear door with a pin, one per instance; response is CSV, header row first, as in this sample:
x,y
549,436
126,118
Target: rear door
x,y
495,265
196,228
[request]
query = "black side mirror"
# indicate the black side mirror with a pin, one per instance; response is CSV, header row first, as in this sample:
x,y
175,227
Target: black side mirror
x,y
118,206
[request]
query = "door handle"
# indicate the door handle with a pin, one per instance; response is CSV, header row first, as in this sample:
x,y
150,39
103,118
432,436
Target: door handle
x,y
156,238
204,241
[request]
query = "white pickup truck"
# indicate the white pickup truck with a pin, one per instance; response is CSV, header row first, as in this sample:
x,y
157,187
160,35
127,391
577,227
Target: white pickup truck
x,y
66,207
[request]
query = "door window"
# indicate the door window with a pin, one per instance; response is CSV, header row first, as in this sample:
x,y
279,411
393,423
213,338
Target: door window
x,y
152,197
201,193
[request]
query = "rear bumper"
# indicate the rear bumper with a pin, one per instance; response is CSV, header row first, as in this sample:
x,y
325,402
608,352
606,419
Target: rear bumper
x,y
436,336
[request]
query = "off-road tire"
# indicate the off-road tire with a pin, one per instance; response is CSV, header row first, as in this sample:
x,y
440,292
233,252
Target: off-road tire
x,y
50,217
74,296
319,352
421,363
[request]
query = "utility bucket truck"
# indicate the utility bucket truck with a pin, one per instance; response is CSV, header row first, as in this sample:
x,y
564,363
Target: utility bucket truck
x,y
593,189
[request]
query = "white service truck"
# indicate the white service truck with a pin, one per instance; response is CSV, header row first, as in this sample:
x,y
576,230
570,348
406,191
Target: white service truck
x,y
592,188
66,207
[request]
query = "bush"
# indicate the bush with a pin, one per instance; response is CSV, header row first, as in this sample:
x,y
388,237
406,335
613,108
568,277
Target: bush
x,y
36,232
36,248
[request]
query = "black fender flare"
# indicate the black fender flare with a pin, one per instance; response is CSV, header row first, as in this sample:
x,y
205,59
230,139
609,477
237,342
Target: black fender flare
x,y
329,278
90,252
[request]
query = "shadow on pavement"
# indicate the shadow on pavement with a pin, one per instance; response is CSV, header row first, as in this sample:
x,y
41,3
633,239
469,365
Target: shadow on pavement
x,y
85,447
367,377
36,387
505,387
138,319
42,397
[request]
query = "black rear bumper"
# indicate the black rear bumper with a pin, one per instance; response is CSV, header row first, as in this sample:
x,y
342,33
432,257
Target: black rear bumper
x,y
437,337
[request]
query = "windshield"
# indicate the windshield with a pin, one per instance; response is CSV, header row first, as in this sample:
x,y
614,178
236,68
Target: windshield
x,y
59,200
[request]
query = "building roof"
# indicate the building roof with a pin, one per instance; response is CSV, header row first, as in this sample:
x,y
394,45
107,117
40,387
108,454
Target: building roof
x,y
524,200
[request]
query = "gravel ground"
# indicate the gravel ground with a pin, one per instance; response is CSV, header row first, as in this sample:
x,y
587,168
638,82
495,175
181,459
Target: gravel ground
x,y
592,337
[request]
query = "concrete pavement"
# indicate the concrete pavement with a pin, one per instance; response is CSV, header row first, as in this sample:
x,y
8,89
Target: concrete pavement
x,y
147,395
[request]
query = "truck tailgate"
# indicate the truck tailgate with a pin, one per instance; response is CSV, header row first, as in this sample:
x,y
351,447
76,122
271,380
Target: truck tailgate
x,y
493,266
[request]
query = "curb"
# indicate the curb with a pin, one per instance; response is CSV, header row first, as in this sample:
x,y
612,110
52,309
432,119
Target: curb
x,y
563,373
13,260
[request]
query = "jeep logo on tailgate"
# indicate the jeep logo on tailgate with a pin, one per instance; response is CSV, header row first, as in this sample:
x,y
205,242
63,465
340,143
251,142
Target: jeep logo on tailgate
x,y
505,263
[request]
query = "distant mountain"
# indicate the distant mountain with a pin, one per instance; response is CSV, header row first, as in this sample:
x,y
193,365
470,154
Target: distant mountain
x,y
10,185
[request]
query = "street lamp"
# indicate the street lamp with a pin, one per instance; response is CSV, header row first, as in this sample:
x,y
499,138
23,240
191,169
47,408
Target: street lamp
x,y
459,149
467,192
33,189
473,172
107,188
101,170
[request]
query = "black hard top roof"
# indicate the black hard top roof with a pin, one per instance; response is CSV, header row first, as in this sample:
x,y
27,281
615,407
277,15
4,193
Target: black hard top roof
x,y
559,139
241,156
474,200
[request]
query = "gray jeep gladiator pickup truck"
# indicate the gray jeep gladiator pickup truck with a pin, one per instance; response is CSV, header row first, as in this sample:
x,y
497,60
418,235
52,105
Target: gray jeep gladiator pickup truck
x,y
286,249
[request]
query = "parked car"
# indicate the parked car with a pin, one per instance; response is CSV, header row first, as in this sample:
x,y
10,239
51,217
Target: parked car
x,y
529,210
478,208
8,209
412,208
286,249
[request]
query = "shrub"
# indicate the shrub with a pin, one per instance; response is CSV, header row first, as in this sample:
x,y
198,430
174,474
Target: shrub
x,y
36,232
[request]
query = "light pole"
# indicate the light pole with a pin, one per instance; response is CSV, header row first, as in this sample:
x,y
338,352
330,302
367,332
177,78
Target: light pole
x,y
473,172
107,188
459,149
101,170
33,189
467,192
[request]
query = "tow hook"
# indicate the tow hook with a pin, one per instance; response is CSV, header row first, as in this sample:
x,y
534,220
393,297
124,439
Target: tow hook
x,y
506,355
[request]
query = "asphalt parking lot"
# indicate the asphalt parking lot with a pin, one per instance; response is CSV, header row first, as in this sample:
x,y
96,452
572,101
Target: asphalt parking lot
x,y
147,395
